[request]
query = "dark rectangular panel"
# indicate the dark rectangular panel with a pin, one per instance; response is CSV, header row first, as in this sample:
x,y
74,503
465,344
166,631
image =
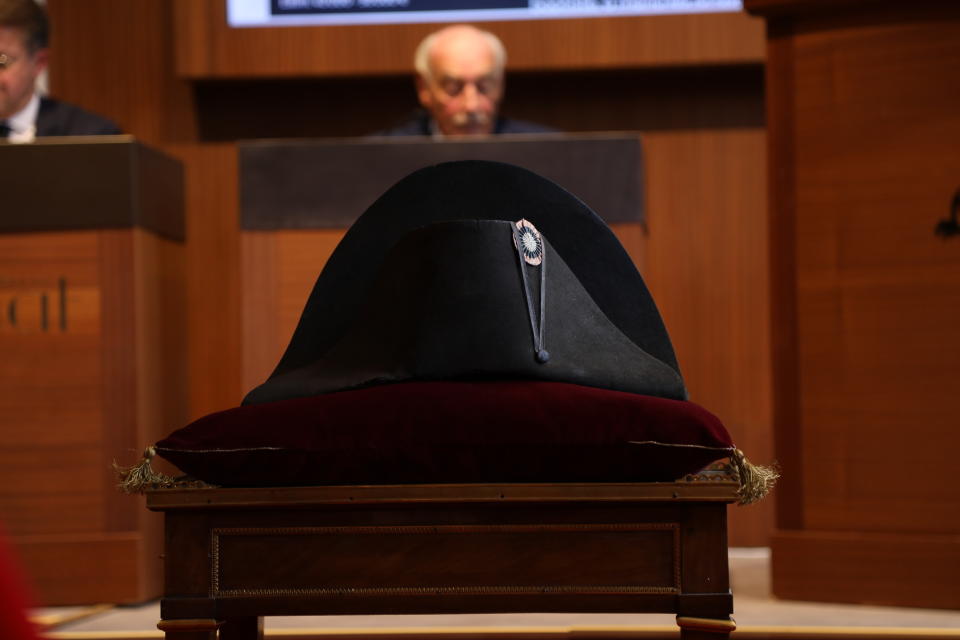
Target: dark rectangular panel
x,y
309,184
108,182
466,560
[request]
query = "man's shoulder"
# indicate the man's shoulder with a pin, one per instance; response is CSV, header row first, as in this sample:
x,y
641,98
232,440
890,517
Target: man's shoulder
x,y
415,124
57,118
511,125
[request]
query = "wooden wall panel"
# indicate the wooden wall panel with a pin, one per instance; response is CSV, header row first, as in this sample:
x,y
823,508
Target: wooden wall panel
x,y
208,48
162,391
116,58
781,172
707,268
875,568
118,384
875,286
98,567
279,271
864,129
84,385
263,339
213,284
50,375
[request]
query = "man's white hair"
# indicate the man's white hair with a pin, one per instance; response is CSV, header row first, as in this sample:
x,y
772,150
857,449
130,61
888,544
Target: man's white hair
x,y
421,59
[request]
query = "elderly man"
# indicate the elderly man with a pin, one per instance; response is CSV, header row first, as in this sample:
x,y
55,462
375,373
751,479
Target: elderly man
x,y
460,86
24,115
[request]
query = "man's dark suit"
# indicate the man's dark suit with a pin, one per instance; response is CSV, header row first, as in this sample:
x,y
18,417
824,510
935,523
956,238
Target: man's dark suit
x,y
419,124
57,118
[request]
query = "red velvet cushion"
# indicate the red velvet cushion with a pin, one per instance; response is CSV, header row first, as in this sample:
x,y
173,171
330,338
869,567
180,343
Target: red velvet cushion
x,y
440,432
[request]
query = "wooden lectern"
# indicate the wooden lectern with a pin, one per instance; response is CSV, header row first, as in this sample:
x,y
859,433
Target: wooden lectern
x,y
297,198
864,128
92,333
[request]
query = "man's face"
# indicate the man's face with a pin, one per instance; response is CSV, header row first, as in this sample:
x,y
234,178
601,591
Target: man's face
x,y
465,90
18,71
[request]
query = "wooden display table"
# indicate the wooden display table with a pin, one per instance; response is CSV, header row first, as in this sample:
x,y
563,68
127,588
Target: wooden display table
x,y
235,555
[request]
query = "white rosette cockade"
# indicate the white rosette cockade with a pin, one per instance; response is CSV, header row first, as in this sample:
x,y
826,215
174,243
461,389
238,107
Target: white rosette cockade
x,y
531,254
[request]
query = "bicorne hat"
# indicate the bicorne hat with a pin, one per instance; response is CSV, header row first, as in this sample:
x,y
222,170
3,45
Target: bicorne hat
x,y
477,270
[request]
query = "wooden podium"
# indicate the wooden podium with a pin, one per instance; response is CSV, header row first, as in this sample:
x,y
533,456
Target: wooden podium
x,y
864,127
297,199
93,368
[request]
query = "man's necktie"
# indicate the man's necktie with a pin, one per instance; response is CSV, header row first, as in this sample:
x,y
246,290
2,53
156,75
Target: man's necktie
x,y
4,130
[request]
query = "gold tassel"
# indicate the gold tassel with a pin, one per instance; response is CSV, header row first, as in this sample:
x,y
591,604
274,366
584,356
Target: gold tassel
x,y
141,476
755,481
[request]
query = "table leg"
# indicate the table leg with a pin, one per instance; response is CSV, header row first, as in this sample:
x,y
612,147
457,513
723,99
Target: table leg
x,y
250,628
705,628
198,629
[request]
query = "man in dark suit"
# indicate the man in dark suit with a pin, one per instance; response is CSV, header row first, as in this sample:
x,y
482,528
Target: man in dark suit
x,y
24,114
460,86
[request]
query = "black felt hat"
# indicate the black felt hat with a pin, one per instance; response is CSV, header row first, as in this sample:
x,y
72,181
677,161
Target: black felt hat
x,y
477,270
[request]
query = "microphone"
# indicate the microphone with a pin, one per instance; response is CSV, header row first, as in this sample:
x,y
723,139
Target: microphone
x,y
949,227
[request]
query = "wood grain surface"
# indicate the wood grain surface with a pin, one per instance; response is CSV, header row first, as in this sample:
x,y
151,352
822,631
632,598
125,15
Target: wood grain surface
x,y
103,376
206,47
863,131
213,281
476,548
706,263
